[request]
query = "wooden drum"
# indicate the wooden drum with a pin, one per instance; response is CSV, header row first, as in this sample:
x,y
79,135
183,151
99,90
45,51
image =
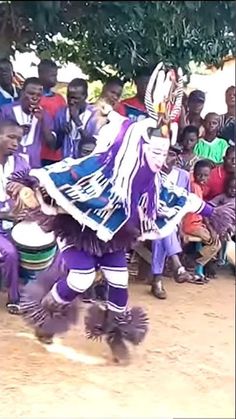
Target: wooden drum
x,y
36,248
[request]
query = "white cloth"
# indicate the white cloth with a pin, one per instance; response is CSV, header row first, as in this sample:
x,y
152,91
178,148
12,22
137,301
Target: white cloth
x,y
5,172
7,95
108,133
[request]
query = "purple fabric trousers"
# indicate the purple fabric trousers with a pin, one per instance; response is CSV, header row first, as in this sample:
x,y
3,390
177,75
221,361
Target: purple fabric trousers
x,y
81,267
9,265
161,249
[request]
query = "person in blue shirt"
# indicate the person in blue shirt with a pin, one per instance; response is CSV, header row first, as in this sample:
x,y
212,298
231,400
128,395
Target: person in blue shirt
x,y
8,92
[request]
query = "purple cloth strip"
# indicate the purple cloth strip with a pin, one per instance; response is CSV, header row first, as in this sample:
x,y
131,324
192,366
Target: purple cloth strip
x,y
117,298
65,293
207,210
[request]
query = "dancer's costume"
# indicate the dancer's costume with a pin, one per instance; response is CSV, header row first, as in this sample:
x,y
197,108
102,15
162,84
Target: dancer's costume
x,y
102,204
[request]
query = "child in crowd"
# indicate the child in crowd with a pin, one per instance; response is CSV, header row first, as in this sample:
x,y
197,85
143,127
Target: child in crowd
x,y
188,158
211,146
195,225
220,175
191,114
228,197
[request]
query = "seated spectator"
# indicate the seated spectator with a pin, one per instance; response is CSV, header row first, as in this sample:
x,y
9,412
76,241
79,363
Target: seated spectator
x,y
227,120
35,122
134,107
228,197
195,225
51,102
169,247
8,92
187,158
220,175
210,146
195,104
10,136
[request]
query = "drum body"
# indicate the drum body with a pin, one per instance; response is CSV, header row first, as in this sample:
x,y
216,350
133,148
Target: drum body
x,y
36,249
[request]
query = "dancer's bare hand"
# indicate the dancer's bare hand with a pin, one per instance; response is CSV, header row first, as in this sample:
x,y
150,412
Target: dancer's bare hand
x,y
21,215
13,189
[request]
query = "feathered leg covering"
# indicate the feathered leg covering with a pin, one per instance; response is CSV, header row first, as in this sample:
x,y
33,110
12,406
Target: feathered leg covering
x,y
47,319
117,328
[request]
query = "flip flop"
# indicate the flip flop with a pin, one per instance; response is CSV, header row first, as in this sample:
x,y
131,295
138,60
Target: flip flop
x,y
197,280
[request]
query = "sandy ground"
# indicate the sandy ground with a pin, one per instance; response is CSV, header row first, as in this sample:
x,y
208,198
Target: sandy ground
x,y
184,369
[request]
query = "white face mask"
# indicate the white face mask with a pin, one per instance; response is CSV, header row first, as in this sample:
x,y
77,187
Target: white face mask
x,y
156,152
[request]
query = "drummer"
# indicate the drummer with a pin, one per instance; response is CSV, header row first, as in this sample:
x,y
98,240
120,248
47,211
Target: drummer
x,y
10,136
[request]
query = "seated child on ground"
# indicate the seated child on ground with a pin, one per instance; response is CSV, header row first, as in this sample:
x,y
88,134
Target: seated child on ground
x,y
211,146
196,225
228,197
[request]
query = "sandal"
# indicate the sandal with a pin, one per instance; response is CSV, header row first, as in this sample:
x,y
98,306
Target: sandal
x,y
182,275
198,280
13,308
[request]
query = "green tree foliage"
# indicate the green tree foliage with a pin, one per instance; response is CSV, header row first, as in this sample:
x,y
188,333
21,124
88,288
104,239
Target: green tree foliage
x,y
120,35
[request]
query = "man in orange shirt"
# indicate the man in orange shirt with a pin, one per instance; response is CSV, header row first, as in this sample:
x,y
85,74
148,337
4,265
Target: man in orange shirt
x,y
50,102
134,107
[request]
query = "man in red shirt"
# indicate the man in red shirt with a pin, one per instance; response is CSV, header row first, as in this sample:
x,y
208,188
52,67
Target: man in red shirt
x,y
50,102
219,175
134,107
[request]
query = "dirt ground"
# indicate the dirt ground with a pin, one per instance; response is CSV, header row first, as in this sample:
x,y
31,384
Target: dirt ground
x,y
184,369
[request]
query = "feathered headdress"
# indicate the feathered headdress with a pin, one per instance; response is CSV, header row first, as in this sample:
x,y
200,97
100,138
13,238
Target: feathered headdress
x,y
163,99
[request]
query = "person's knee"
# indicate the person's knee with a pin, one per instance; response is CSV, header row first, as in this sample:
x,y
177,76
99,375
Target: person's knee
x,y
10,253
117,278
80,281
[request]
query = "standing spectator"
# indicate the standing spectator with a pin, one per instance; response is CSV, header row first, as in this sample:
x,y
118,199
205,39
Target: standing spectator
x,y
210,146
112,91
29,115
71,121
51,102
227,121
187,158
134,107
229,116
8,91
195,104
220,175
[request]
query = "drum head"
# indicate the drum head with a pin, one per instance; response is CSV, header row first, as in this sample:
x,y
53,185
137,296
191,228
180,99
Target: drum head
x,y
28,235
